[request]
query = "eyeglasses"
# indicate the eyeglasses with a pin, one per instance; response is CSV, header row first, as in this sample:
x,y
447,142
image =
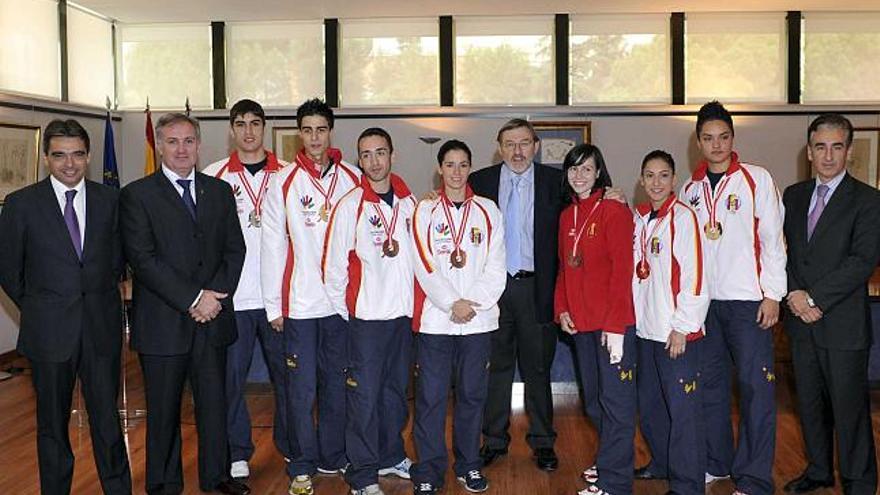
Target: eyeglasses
x,y
511,145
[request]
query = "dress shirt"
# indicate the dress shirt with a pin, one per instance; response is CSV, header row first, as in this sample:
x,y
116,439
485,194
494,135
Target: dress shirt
x,y
79,203
526,215
832,185
173,177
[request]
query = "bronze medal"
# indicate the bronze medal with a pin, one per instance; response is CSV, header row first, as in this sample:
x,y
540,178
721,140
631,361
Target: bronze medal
x,y
390,248
713,232
643,269
458,258
574,260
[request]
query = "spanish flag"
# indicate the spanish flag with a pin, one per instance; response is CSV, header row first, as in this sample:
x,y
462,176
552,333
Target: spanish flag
x,y
149,145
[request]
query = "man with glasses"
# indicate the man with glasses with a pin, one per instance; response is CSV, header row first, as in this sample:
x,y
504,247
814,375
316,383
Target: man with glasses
x,y
528,195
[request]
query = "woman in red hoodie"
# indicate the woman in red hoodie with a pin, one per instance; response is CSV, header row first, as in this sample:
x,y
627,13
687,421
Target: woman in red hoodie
x,y
594,303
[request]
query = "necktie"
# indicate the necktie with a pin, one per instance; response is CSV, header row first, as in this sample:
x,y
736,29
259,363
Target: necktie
x,y
187,197
72,223
512,227
813,219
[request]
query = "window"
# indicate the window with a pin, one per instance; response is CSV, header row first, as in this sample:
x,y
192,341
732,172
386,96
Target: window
x,y
29,47
504,60
166,63
275,63
390,62
735,57
90,58
841,57
620,59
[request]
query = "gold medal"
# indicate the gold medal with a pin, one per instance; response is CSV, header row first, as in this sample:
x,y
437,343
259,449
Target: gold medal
x,y
390,248
458,258
324,213
713,232
643,269
574,260
254,219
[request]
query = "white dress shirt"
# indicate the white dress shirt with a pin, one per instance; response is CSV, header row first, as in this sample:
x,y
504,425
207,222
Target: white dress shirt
x,y
173,177
79,203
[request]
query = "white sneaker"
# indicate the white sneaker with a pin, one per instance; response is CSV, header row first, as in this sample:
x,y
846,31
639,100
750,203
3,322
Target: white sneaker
x,y
593,490
591,474
711,478
369,490
401,469
239,470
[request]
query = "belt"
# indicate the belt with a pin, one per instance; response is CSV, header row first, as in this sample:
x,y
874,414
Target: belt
x,y
522,274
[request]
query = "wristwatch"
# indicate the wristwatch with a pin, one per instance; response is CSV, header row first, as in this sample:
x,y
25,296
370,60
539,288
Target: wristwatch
x,y
810,302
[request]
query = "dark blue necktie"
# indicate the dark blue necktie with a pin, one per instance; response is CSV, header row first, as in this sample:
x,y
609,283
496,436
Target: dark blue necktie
x,y
187,197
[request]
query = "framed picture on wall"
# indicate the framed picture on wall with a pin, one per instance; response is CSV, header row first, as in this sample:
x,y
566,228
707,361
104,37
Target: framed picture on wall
x,y
19,157
865,155
286,142
559,137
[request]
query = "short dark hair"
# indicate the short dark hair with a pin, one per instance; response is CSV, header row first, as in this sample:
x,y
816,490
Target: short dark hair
x,y
315,106
172,118
659,155
246,106
517,124
833,120
713,111
577,156
64,128
375,131
452,144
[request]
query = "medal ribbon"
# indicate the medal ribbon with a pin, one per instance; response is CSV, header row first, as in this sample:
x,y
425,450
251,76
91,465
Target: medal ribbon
x,y
712,204
327,193
256,199
389,228
580,232
457,235
643,240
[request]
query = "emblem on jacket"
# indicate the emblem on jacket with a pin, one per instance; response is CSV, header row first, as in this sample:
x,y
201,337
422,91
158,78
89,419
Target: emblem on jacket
x,y
441,229
375,221
732,203
694,201
476,236
655,245
307,202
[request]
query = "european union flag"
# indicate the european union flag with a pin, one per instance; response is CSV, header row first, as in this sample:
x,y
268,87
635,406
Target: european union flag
x,y
111,172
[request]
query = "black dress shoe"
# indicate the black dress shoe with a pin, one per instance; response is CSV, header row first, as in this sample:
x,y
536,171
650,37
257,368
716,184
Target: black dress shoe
x,y
488,454
232,487
804,484
545,459
643,473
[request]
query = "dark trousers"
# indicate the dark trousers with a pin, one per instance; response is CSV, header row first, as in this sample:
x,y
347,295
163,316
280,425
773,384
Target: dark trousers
x,y
53,383
380,354
616,390
252,325
316,358
670,409
733,338
164,378
520,339
440,359
832,394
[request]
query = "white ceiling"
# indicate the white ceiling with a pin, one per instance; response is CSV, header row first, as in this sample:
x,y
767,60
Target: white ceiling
x,y
243,10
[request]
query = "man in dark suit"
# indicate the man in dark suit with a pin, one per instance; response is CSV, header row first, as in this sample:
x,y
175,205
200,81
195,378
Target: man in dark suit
x,y
832,228
61,264
182,239
529,196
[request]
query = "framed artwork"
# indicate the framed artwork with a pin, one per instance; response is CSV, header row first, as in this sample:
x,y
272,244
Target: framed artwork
x,y
286,142
19,157
865,155
559,137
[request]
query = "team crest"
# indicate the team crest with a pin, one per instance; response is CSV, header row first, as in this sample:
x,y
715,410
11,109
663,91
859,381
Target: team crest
x,y
441,229
655,245
236,190
476,236
694,201
732,203
375,221
307,202
591,232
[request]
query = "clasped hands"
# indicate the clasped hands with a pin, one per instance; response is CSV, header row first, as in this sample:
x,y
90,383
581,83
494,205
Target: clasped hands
x,y
208,306
463,311
797,303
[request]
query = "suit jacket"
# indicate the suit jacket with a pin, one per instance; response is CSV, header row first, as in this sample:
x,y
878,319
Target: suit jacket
x,y
61,297
548,205
834,266
174,257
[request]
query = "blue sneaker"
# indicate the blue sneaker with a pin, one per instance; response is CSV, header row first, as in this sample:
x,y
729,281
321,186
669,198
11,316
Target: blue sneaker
x,y
474,481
